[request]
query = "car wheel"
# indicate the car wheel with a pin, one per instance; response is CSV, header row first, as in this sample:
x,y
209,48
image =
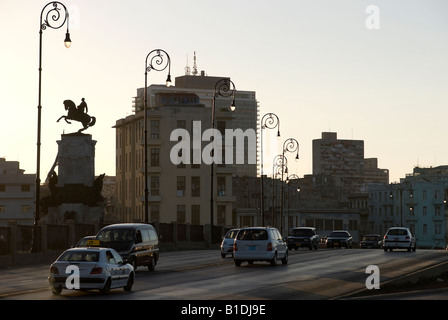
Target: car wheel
x,y
274,260
130,283
56,290
152,264
237,263
285,259
106,288
134,263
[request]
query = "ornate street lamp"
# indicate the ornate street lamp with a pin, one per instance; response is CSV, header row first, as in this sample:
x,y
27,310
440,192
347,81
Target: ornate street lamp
x,y
51,17
224,88
157,60
269,121
279,166
290,145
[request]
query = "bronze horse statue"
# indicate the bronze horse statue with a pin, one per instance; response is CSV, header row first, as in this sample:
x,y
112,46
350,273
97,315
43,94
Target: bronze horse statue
x,y
78,114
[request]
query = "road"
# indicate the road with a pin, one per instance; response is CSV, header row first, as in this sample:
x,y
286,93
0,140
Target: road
x,y
202,275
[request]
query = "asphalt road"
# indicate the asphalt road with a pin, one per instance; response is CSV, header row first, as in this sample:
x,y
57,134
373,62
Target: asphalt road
x,y
202,275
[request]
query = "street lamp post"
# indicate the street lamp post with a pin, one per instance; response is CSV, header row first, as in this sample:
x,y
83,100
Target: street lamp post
x,y
290,145
269,121
50,17
224,88
157,60
400,188
279,166
289,179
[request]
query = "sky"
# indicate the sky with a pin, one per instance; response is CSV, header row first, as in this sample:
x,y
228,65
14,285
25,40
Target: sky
x,y
373,70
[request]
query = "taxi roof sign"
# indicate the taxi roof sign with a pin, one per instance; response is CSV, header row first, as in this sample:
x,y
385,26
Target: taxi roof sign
x,y
93,243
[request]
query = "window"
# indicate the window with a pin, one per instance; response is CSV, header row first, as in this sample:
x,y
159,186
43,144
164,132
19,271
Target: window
x,y
181,213
195,186
221,186
155,157
180,186
25,187
221,215
154,129
437,228
155,185
26,208
195,214
2,188
155,209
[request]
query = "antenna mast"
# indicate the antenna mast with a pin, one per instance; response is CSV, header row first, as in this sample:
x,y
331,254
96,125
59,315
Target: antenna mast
x,y
195,67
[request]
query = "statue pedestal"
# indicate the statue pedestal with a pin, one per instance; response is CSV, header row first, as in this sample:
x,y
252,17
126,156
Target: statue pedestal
x,y
75,194
76,159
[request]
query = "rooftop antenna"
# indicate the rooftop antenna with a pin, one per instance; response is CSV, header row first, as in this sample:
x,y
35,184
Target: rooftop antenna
x,y
195,67
187,68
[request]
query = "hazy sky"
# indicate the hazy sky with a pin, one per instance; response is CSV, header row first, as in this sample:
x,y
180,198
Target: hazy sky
x,y
324,65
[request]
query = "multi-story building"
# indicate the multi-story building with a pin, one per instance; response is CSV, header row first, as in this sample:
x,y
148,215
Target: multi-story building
x,y
343,160
181,192
417,202
16,194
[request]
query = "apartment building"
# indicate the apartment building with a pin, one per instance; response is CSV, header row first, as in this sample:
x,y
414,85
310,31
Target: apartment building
x,y
180,192
16,194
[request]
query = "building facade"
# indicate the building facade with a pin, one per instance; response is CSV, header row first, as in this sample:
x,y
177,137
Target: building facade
x,y
417,203
179,178
17,191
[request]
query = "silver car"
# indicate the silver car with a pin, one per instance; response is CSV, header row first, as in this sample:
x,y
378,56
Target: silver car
x,y
399,238
259,244
227,242
90,268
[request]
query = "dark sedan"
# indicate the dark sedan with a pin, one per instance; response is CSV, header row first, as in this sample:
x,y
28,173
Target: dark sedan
x,y
371,241
339,239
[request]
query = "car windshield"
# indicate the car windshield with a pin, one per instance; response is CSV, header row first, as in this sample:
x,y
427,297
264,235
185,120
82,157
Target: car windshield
x,y
398,232
84,256
302,232
370,238
253,234
116,235
339,234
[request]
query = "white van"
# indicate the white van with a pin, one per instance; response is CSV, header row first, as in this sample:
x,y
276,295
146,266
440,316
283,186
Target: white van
x,y
259,244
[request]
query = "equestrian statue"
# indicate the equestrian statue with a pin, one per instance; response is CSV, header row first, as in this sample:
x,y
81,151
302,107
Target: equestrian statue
x,y
78,113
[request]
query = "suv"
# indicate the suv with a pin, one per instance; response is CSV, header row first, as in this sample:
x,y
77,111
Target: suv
x,y
303,237
259,244
399,238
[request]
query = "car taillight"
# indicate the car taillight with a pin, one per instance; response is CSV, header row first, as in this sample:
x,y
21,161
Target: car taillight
x,y
54,270
96,270
269,247
407,237
235,247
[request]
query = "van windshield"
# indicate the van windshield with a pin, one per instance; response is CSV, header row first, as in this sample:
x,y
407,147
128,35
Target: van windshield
x,y
116,235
